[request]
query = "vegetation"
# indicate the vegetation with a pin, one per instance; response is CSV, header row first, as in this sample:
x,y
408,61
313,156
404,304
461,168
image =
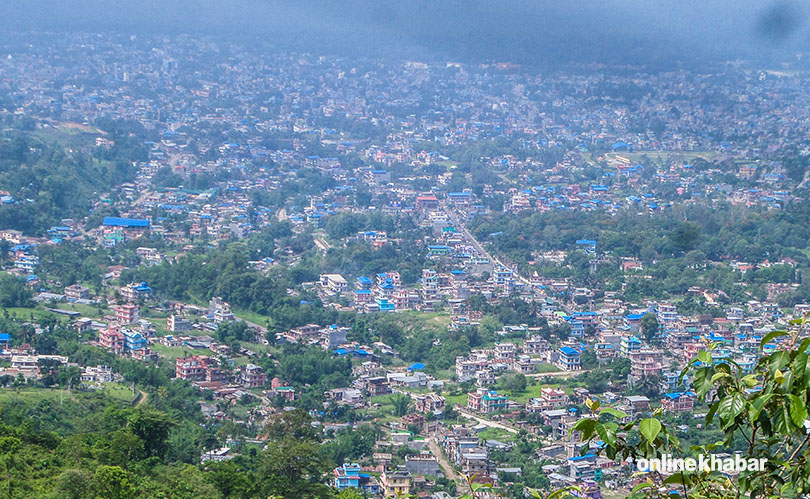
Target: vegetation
x,y
762,413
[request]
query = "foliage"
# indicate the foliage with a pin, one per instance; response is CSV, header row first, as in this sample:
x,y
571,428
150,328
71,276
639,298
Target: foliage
x,y
767,408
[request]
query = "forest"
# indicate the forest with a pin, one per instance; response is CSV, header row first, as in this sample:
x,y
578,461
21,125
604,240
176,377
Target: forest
x,y
47,182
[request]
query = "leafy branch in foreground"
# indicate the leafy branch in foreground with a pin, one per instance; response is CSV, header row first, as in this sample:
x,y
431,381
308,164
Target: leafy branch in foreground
x,y
766,408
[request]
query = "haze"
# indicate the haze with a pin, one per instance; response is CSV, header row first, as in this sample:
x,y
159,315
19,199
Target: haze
x,y
582,31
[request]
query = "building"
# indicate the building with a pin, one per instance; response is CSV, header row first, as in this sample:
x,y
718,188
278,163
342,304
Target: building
x,y
430,403
190,368
112,339
133,340
335,283
177,324
253,376
569,359
678,401
422,464
76,292
126,314
347,476
133,291
395,483
217,455
486,401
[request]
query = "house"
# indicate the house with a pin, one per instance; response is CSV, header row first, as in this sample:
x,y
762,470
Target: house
x,y
348,396
335,283
486,401
97,374
253,376
678,401
133,291
77,292
422,464
347,476
569,359
395,483
126,314
133,340
550,398
217,455
178,324
430,403
190,368
112,339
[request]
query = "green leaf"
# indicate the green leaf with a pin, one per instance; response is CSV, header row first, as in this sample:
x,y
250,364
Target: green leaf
x,y
650,428
798,411
711,413
613,412
800,366
586,427
607,436
705,356
778,360
758,404
750,380
720,375
768,337
642,486
730,407
675,478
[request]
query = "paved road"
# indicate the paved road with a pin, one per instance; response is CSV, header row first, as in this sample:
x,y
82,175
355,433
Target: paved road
x,y
459,224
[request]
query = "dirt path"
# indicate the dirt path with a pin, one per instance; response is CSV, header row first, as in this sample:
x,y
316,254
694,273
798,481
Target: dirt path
x,y
449,472
144,396
486,422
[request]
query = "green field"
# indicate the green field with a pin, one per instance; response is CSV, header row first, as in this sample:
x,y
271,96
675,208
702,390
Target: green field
x,y
62,411
663,157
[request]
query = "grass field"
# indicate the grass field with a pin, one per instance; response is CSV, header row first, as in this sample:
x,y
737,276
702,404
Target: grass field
x,y
547,368
456,399
497,434
62,411
662,157
25,313
250,316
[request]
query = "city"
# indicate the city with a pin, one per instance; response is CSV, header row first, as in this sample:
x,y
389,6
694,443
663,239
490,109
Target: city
x,y
240,271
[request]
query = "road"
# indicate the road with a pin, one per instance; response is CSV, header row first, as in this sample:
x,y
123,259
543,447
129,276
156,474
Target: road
x,y
558,374
322,244
449,472
459,225
144,396
486,422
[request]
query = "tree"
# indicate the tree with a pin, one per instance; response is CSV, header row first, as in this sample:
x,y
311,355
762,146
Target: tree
x,y
153,428
649,327
765,409
75,484
589,360
514,383
112,482
402,403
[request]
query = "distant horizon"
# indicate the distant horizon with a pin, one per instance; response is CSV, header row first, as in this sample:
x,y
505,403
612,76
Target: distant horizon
x,y
585,31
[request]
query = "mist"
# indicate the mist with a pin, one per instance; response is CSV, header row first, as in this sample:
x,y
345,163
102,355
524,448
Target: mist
x,y
632,32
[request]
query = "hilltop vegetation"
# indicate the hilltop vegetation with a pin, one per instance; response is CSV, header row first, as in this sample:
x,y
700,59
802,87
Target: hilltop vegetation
x,y
49,182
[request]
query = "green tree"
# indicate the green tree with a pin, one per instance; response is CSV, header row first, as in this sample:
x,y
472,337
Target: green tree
x,y
767,409
402,403
112,482
649,327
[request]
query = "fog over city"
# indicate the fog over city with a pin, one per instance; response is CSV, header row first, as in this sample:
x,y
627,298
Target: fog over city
x,y
528,32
